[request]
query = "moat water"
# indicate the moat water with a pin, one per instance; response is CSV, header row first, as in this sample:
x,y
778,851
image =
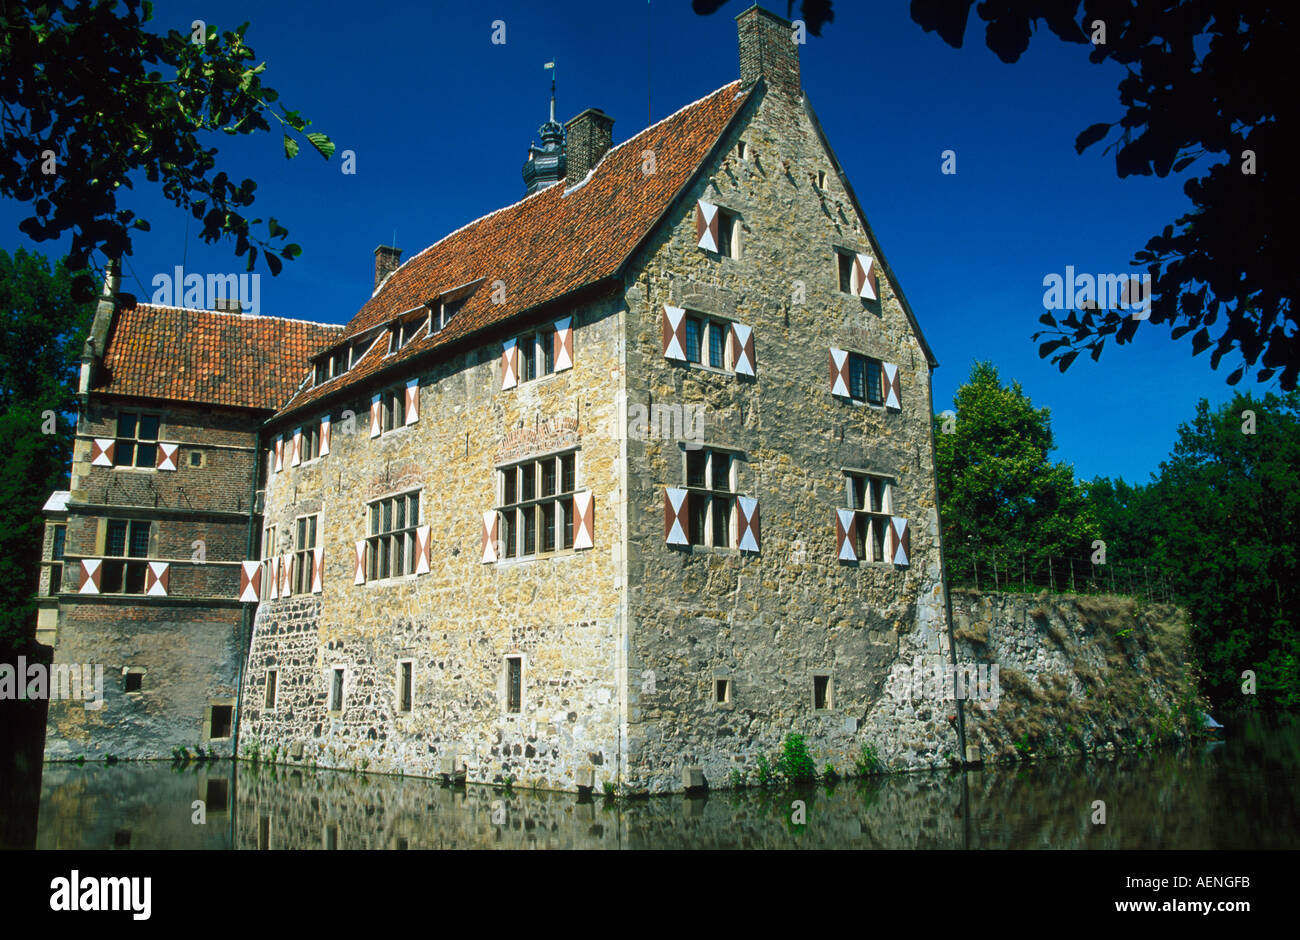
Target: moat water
x,y
1242,793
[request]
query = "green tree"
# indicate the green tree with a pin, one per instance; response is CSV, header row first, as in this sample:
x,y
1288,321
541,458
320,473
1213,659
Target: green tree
x,y
90,101
1221,521
1205,84
44,329
1000,496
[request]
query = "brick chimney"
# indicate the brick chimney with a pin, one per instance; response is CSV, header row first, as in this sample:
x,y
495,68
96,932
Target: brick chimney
x,y
387,261
768,50
587,138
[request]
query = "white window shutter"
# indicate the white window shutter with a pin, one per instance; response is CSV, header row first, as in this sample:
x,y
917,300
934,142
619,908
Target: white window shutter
x,y
166,459
706,225
742,348
845,535
286,575
584,519
275,576
490,523
317,568
747,523
91,572
412,401
839,373
279,452
864,278
360,577
156,578
423,549
675,503
325,436
250,582
673,322
898,545
509,364
101,452
296,459
563,344
376,415
889,378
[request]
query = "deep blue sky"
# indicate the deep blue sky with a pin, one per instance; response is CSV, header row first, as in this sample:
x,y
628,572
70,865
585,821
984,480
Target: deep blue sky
x,y
440,120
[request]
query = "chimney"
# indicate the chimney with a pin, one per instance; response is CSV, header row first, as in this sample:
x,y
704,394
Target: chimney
x,y
387,261
587,138
768,51
227,305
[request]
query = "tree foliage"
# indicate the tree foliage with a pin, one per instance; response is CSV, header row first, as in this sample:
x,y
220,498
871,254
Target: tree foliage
x,y
91,101
44,329
1000,495
1205,86
1220,521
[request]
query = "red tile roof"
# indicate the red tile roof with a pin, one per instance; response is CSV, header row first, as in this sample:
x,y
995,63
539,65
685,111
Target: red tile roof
x,y
207,356
548,244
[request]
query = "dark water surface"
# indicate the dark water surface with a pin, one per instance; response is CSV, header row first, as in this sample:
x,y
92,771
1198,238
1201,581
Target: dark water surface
x,y
1243,793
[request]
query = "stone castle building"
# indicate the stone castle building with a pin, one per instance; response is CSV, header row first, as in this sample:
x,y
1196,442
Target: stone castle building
x,y
618,484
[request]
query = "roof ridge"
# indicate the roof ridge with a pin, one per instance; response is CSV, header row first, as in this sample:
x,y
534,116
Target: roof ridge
x,y
230,313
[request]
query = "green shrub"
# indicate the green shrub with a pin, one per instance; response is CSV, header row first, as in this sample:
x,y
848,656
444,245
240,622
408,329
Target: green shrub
x,y
737,779
868,762
764,771
795,763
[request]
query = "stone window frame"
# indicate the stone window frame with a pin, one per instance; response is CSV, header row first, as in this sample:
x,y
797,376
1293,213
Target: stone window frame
x,y
736,458
560,499
58,548
310,443
407,532
542,341
140,671
878,521
334,708
129,561
392,410
304,555
219,702
271,690
709,323
522,659
730,227
729,697
828,704
135,441
410,705
191,455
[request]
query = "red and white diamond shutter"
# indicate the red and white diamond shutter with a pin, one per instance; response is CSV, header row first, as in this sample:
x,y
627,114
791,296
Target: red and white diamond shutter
x,y
296,459
742,348
423,549
846,535
273,568
509,364
156,577
584,520
889,378
250,582
864,277
675,516
412,401
286,575
489,537
101,452
279,453
747,523
673,322
376,411
91,571
325,436
898,542
840,373
166,459
706,225
360,577
317,568
563,344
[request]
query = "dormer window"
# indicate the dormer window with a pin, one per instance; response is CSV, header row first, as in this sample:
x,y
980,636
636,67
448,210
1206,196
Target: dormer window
x,y
403,333
446,310
331,364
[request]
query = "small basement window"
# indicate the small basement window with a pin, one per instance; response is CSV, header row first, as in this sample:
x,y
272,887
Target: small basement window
x,y
404,687
514,683
821,692
221,721
132,681
336,691
196,458
722,690
845,263
272,677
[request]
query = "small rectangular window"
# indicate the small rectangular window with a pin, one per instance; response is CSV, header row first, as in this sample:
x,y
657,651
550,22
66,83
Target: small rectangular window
x,y
514,683
717,345
844,264
728,234
722,690
133,682
404,692
221,718
527,359
336,691
272,677
821,692
694,329
58,539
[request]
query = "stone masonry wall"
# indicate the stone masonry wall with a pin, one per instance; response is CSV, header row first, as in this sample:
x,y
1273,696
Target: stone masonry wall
x,y
457,623
769,621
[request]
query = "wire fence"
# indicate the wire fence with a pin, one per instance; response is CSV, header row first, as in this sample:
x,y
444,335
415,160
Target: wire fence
x,y
1057,574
